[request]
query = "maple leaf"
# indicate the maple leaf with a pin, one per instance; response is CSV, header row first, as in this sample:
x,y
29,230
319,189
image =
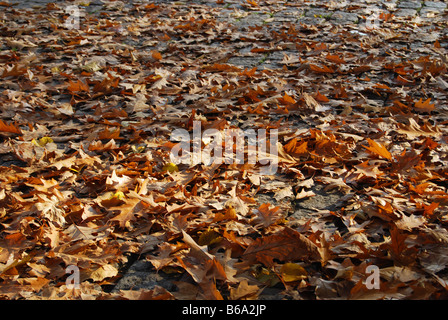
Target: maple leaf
x,y
76,233
163,258
202,266
368,170
106,85
286,100
50,209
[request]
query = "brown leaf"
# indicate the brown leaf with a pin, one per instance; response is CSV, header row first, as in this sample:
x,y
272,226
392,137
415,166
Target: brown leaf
x,y
286,245
266,215
244,291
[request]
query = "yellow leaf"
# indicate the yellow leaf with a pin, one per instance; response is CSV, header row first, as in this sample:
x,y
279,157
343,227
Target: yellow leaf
x,y
92,66
55,70
293,272
118,195
266,276
44,140
209,237
170,167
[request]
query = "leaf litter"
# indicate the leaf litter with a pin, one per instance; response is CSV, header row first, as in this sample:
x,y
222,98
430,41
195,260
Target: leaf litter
x,y
87,180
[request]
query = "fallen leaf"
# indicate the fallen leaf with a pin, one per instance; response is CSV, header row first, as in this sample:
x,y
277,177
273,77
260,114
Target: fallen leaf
x,y
293,272
286,245
378,149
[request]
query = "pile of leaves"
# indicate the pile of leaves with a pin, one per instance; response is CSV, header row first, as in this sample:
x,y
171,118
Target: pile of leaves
x,y
86,180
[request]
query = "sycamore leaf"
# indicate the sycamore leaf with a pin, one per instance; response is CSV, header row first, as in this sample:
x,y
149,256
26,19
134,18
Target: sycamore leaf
x,y
408,223
77,86
397,243
103,272
266,215
107,134
285,245
244,291
76,233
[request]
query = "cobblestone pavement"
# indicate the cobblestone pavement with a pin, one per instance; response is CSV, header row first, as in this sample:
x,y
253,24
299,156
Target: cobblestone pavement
x,y
354,16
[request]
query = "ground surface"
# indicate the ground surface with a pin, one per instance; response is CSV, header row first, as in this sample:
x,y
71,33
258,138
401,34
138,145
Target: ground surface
x,y
356,89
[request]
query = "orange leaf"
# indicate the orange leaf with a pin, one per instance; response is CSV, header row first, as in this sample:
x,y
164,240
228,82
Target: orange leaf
x,y
259,50
249,73
156,55
428,210
334,58
107,135
252,3
318,69
286,100
381,86
77,86
424,106
378,149
403,81
293,148
321,98
4,127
